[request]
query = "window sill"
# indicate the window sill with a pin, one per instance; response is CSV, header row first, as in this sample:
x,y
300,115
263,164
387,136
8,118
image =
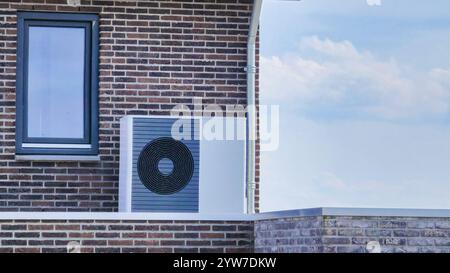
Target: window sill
x,y
57,158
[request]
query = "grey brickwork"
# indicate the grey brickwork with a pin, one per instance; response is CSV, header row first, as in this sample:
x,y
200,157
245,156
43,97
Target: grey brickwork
x,y
289,235
333,234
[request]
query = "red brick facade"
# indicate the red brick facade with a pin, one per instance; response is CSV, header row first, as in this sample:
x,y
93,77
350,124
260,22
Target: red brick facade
x,y
136,236
153,56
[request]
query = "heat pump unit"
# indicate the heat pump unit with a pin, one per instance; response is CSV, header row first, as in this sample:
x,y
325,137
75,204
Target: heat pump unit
x,y
180,164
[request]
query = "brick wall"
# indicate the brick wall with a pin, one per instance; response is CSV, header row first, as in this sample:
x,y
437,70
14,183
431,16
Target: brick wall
x,y
153,56
314,234
44,236
337,234
289,235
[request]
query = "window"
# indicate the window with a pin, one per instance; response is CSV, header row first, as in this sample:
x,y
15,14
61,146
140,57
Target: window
x,y
57,96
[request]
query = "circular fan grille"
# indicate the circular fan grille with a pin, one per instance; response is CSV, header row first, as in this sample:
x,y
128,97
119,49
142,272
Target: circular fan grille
x,y
153,178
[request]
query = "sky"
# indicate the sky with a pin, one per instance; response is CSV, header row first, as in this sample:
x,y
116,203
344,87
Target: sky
x,y
364,96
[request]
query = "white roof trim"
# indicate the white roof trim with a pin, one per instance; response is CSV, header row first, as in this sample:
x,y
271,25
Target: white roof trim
x,y
311,212
370,212
122,216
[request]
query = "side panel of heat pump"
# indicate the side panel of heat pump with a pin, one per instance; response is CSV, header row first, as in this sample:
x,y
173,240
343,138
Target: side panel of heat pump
x,y
126,164
145,130
222,169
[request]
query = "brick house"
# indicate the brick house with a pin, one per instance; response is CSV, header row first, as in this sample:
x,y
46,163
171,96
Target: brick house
x,y
152,56
126,58
145,57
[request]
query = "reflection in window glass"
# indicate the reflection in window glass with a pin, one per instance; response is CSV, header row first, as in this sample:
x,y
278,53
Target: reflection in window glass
x,y
56,82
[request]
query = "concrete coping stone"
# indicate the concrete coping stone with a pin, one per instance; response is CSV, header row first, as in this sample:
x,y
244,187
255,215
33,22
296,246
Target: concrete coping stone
x,y
361,212
310,212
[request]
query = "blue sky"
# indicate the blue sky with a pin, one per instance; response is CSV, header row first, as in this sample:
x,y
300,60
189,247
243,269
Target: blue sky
x,y
364,95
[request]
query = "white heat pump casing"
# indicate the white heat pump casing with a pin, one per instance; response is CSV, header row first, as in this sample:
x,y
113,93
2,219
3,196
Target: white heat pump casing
x,y
221,167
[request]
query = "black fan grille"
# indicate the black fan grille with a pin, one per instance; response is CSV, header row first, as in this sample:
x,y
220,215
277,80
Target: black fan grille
x,y
150,174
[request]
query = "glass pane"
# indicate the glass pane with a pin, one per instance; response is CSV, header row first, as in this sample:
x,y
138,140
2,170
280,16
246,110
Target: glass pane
x,y
55,82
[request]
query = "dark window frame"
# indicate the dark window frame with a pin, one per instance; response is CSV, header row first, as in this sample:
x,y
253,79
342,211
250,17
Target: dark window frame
x,y
64,146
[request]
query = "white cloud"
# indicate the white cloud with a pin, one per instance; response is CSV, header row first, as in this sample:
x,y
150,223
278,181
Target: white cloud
x,y
342,148
337,77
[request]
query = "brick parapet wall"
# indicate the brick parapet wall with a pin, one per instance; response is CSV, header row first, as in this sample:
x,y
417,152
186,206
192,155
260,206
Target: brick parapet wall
x,y
289,235
154,55
337,234
137,236
306,234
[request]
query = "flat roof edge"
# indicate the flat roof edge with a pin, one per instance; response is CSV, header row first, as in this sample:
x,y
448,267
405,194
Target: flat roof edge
x,y
342,211
309,212
123,216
